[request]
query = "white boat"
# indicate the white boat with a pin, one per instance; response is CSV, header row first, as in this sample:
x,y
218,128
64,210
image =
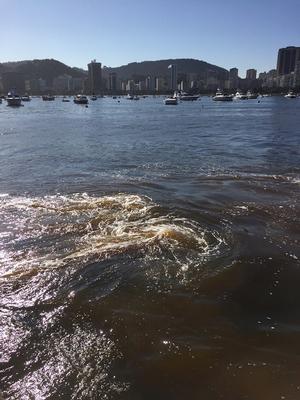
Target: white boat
x,y
220,96
13,99
81,99
65,100
171,101
251,95
129,97
48,97
26,98
183,96
240,96
290,95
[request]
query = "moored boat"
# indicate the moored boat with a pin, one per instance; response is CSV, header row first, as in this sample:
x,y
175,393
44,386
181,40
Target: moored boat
x,y
13,99
48,97
183,96
26,97
290,95
81,99
129,96
93,98
171,101
220,96
240,96
251,95
65,100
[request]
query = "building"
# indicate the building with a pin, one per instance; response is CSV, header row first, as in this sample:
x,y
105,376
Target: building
x,y
233,78
112,81
251,74
95,77
62,83
150,83
173,76
287,59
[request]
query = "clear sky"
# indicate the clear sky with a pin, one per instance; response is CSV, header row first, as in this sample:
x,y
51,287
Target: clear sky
x,y
228,33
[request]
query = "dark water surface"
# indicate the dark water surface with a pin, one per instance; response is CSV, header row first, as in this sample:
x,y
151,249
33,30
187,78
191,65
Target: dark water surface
x,y
150,252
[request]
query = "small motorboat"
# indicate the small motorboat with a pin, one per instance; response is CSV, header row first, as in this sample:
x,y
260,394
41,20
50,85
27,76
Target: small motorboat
x,y
136,98
220,96
250,95
26,98
81,99
94,97
240,96
65,100
171,101
129,97
183,96
48,97
290,95
13,99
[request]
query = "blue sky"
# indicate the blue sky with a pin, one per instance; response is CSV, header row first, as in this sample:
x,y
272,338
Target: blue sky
x,y
229,33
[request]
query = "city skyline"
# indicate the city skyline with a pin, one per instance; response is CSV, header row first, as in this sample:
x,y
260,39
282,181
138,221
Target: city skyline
x,y
232,35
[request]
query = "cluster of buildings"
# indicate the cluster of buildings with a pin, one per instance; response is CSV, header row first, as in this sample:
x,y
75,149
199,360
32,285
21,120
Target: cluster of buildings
x,y
100,80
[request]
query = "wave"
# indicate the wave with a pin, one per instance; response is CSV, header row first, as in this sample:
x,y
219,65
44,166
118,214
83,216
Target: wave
x,y
50,232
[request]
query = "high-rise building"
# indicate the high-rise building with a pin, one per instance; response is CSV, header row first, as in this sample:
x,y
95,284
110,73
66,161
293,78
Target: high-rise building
x,y
95,77
173,76
287,59
112,81
251,74
233,78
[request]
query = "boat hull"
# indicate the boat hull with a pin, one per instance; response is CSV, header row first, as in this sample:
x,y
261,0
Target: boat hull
x,y
14,102
217,98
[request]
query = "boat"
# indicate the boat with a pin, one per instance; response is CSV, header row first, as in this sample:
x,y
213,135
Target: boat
x,y
220,96
114,97
171,101
290,95
48,97
136,98
13,99
93,98
65,100
183,96
26,98
81,99
129,97
250,95
240,96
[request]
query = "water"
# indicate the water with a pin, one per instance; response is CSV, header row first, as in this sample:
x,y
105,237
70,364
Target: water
x,y
150,251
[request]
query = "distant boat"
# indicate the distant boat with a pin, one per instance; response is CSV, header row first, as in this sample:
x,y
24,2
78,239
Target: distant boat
x,y
136,98
220,96
65,100
171,101
48,97
251,95
93,98
240,96
81,99
13,99
114,97
129,97
290,95
26,98
183,96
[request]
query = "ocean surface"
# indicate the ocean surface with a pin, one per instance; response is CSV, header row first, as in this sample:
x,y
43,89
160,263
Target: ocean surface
x,y
150,251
